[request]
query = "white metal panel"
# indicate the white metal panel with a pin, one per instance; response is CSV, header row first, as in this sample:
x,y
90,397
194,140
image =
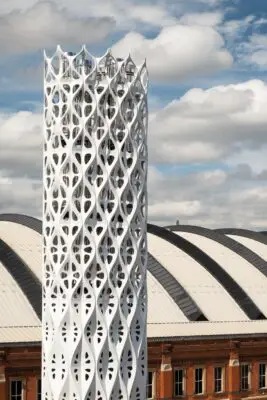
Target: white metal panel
x,y
210,296
15,307
259,248
246,275
25,242
95,162
207,328
161,307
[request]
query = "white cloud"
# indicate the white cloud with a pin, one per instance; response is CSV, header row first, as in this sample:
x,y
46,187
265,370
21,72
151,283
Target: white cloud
x,y
128,14
203,19
44,26
214,199
248,51
168,209
154,15
234,28
254,157
21,143
209,125
255,51
178,51
21,195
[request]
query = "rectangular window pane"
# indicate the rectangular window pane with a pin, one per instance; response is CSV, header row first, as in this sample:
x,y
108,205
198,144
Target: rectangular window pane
x,y
16,390
149,386
262,376
178,382
39,389
198,380
244,377
218,379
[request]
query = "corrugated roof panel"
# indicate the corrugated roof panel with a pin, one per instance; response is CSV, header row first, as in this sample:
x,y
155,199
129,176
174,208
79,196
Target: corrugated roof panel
x,y
25,242
174,290
15,307
159,301
220,236
254,245
21,219
249,278
33,334
207,292
207,328
20,334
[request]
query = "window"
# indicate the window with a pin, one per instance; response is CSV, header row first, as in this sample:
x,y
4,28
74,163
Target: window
x,y
218,379
178,382
150,389
39,389
199,380
262,375
245,377
16,389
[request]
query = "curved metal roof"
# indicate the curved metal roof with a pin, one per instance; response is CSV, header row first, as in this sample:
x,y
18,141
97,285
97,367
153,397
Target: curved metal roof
x,y
232,287
173,288
23,275
256,246
203,287
179,295
226,241
184,278
159,301
25,242
233,261
22,219
258,236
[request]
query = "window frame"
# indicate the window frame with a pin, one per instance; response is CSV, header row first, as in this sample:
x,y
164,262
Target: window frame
x,y
222,378
203,380
243,364
153,383
38,379
183,381
23,382
259,375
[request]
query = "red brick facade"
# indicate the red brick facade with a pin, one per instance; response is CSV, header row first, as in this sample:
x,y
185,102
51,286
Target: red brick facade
x,y
208,354
163,360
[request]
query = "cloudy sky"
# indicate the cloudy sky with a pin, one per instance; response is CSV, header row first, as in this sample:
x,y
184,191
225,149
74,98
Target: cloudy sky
x,y
208,99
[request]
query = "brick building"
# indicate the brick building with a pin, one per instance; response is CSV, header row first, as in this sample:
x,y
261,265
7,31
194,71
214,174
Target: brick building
x,y
207,317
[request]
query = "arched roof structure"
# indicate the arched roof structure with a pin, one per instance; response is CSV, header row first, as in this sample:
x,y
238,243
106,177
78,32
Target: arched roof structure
x,y
195,276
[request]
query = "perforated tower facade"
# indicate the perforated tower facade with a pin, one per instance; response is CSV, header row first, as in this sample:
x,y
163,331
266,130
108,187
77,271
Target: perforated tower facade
x,y
94,228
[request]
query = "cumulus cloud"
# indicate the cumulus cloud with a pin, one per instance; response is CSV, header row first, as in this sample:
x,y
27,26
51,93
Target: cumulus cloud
x,y
44,26
21,195
209,125
203,18
254,157
235,28
213,199
153,15
254,51
178,52
21,144
224,125
167,209
127,13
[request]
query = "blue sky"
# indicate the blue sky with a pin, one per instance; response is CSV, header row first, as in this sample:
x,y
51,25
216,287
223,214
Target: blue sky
x,y
207,133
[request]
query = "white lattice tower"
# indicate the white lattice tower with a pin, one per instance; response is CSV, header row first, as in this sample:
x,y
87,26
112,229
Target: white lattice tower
x,y
94,226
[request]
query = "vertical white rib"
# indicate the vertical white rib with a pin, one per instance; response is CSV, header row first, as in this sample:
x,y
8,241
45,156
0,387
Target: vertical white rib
x,y
95,210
